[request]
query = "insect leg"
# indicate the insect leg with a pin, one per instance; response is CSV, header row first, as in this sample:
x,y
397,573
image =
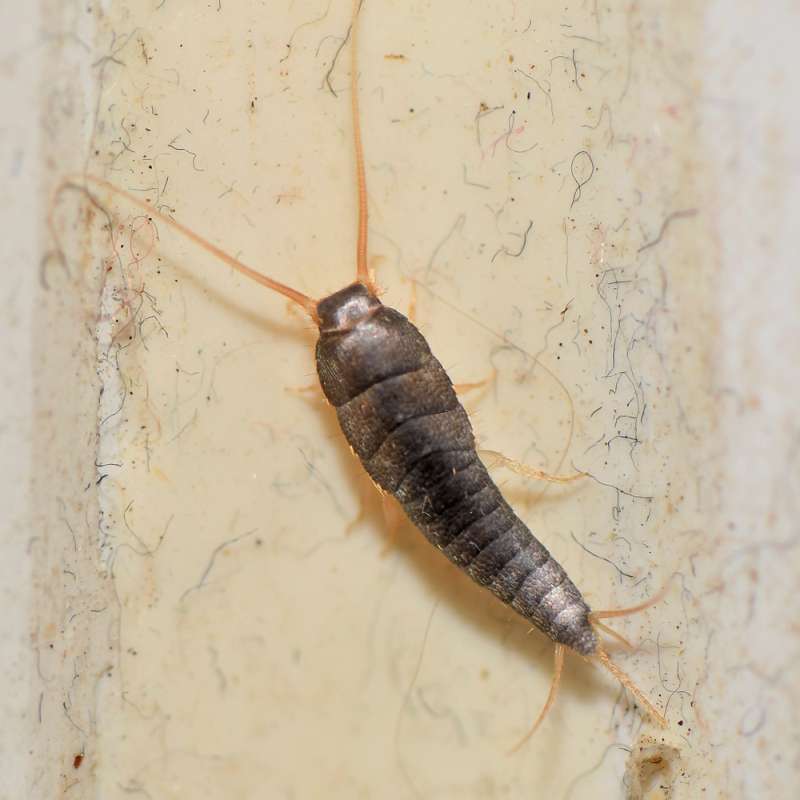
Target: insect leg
x,y
365,488
551,697
311,391
76,183
393,516
460,388
412,302
493,459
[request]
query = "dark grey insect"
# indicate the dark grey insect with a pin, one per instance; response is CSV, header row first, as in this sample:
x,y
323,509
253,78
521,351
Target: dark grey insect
x,y
400,414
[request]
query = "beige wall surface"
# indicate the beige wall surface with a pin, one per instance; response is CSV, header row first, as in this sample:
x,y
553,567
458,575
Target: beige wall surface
x,y
590,203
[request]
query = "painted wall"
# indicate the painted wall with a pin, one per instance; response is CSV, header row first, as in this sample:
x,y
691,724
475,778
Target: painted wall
x,y
593,203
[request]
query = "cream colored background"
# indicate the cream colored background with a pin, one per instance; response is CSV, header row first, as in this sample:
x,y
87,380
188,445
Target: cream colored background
x,y
204,624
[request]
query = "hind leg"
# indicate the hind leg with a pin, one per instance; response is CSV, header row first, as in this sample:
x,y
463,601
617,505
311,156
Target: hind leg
x,y
493,459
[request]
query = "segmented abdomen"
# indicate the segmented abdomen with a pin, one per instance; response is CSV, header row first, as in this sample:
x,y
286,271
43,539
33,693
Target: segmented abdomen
x,y
400,414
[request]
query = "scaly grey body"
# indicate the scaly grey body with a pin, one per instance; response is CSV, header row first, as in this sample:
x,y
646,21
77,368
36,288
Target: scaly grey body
x,y
399,412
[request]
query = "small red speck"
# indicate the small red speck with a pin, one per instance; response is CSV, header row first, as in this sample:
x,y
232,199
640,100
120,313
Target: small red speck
x,y
77,761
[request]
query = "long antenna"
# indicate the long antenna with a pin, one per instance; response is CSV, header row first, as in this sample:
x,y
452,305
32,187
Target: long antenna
x,y
362,270
308,304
